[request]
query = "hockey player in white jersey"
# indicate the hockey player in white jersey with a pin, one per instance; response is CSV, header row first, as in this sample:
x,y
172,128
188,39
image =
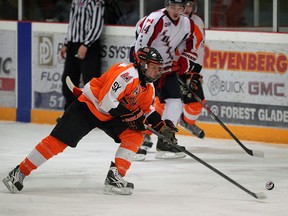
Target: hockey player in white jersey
x,y
171,33
192,108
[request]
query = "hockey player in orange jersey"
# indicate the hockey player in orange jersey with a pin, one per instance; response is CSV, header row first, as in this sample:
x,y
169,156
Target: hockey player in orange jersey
x,y
120,103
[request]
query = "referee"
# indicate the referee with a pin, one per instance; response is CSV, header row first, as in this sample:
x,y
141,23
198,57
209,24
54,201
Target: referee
x,y
82,46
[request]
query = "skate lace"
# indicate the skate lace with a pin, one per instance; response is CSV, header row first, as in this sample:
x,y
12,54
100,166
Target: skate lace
x,y
18,176
116,177
21,177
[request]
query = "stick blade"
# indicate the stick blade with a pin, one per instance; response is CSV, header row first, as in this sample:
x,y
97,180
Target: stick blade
x,y
258,154
69,83
76,91
260,195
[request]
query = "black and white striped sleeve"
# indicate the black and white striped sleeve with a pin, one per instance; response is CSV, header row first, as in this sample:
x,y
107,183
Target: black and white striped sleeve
x,y
94,21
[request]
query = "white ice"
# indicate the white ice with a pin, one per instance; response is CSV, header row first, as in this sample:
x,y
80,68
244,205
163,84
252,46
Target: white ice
x,y
71,183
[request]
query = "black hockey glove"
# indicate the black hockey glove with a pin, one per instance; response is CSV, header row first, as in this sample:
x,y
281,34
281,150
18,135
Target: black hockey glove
x,y
134,120
193,81
167,129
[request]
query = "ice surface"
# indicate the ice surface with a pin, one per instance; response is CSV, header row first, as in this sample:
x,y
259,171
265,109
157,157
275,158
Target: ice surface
x,y
71,183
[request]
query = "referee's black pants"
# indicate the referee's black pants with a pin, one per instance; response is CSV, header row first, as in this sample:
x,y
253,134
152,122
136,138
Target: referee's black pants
x,y
74,67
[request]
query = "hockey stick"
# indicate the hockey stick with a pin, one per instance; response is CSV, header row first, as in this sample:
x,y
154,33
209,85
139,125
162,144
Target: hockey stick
x,y
75,90
260,195
249,151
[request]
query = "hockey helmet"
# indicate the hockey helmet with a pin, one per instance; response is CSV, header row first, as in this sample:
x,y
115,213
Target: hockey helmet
x,y
193,4
145,56
169,2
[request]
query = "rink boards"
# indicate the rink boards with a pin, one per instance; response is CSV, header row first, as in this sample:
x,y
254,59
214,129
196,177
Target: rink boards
x,y
245,77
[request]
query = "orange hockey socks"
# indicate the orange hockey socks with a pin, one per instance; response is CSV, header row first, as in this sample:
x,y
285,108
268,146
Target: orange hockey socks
x,y
42,152
130,143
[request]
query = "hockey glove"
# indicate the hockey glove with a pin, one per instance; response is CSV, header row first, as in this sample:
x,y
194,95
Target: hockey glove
x,y
184,90
186,62
167,129
134,120
193,81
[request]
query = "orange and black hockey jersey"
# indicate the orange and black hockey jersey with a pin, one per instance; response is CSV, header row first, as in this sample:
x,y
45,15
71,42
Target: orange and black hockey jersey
x,y
120,84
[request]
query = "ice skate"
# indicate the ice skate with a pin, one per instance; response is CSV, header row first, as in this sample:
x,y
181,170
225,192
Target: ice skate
x,y
115,184
166,151
193,129
144,148
14,180
140,155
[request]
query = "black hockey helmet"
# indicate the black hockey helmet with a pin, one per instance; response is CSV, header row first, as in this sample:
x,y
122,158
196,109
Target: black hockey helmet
x,y
144,56
168,2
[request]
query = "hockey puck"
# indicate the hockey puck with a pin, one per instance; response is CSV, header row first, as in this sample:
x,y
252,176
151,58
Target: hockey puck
x,y
269,185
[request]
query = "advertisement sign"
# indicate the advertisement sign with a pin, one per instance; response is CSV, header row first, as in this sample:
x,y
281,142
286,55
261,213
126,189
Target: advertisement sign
x,y
8,64
114,51
47,70
48,65
247,114
246,83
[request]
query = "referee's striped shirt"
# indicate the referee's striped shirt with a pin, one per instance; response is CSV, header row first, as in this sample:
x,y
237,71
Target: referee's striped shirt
x,y
86,21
